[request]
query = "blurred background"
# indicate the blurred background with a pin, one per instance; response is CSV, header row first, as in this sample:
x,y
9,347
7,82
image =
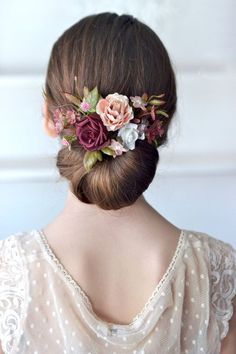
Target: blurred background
x,y
195,184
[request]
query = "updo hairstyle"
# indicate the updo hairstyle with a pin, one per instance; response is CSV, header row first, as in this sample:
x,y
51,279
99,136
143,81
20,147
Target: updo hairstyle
x,y
116,53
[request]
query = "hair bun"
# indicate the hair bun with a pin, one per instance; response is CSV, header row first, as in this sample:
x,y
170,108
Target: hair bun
x,y
113,183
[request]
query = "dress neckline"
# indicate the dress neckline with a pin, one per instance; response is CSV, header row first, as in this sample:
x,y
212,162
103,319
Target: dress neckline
x,y
76,286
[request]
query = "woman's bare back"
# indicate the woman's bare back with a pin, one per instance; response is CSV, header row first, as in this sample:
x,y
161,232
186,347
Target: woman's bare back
x,y
118,272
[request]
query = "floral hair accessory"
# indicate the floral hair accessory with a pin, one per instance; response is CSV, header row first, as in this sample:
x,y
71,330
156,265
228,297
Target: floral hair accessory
x,y
109,125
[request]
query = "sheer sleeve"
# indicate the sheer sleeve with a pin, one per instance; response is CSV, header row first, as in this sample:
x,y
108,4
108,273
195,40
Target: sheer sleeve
x,y
12,293
223,282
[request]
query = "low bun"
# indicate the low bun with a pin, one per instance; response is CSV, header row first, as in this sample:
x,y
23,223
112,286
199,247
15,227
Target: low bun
x,y
113,183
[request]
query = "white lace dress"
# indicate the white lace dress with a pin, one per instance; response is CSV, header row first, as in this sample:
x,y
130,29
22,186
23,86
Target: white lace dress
x,y
44,311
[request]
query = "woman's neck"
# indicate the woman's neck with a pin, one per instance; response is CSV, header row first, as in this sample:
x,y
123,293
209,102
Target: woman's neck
x,y
75,209
85,224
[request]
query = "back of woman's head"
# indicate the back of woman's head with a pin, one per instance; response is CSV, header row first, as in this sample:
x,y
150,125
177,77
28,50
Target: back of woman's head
x,y
116,53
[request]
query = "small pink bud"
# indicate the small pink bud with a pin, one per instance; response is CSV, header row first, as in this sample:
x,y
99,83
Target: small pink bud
x,y
85,106
65,142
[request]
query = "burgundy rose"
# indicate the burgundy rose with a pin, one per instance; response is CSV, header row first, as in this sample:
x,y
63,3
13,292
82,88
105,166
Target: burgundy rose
x,y
91,133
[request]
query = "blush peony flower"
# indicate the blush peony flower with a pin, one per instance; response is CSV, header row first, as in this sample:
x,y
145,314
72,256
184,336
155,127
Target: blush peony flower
x,y
91,133
129,134
117,147
114,111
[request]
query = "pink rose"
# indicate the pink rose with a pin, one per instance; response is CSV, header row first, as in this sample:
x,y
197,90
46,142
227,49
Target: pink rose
x,y
114,111
91,133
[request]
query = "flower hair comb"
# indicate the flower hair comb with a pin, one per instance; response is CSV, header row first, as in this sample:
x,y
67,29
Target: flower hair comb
x,y
109,125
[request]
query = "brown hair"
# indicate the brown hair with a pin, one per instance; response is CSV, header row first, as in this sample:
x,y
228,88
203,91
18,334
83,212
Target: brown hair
x,y
116,53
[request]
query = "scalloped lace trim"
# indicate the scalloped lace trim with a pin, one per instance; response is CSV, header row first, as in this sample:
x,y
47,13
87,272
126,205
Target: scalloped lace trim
x,y
75,285
12,293
223,279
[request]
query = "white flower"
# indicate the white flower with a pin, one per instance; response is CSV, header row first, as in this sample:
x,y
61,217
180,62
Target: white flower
x,y
129,133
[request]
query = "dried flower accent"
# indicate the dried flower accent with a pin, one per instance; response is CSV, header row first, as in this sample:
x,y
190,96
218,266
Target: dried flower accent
x,y
117,147
139,102
154,131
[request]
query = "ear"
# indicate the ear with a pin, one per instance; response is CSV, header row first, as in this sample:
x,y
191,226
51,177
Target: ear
x,y
48,124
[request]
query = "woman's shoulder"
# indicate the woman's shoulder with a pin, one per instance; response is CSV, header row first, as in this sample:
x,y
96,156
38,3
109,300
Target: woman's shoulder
x,y
218,254
217,260
200,239
18,245
15,238
10,248
210,243
15,251
13,287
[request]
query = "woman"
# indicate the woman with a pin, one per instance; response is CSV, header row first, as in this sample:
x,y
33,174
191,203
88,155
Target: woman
x,y
110,274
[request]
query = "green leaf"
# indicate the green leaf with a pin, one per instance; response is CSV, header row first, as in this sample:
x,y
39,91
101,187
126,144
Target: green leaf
x,y
108,151
92,97
157,143
76,101
144,97
156,102
70,138
163,113
90,158
99,155
86,92
155,96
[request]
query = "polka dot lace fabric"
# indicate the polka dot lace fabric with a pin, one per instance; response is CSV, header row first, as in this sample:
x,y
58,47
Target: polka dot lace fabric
x,y
43,310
